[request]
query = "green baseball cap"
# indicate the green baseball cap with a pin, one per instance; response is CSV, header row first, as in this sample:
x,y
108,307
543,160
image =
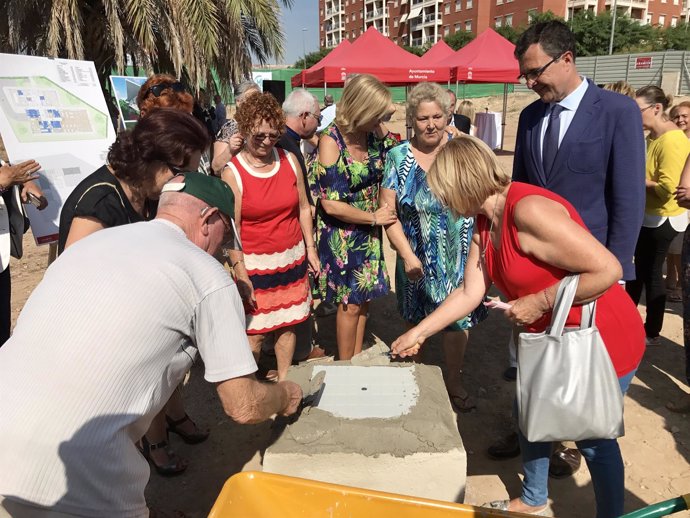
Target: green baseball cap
x,y
210,189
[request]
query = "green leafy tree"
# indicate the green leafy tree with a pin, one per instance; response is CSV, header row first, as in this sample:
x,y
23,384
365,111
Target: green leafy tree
x,y
184,37
593,33
312,58
537,17
676,38
459,39
417,51
510,33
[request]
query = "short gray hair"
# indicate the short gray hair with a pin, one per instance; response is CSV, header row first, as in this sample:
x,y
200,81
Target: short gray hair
x,y
299,101
245,87
426,92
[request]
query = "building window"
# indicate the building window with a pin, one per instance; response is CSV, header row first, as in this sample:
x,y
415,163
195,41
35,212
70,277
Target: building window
x,y
649,18
499,2
663,1
468,25
457,28
353,17
662,19
446,30
321,12
497,21
395,4
508,1
446,8
395,22
361,14
469,4
508,20
674,21
458,5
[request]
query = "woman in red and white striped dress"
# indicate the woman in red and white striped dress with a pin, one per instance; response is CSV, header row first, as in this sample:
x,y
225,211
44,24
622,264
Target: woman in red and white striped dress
x,y
275,226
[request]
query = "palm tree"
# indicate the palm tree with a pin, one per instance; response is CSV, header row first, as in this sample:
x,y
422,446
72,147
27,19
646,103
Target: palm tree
x,y
189,38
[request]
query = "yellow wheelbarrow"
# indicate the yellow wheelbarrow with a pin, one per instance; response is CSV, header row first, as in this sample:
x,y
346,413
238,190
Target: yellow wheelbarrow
x,y
253,494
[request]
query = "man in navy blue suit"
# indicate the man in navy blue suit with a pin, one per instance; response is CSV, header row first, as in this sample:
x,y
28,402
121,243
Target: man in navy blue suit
x,y
585,144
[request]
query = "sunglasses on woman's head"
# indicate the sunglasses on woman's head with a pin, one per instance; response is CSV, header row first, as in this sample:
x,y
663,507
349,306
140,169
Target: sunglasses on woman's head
x,y
158,89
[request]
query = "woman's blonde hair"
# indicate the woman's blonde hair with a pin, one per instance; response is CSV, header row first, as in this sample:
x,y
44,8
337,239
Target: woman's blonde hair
x,y
465,173
426,92
365,99
621,87
466,108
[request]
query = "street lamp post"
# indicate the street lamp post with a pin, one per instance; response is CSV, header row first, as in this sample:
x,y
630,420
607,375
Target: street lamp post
x,y
613,27
304,47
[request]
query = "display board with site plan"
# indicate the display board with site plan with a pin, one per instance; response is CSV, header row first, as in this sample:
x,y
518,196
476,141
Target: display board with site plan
x,y
53,111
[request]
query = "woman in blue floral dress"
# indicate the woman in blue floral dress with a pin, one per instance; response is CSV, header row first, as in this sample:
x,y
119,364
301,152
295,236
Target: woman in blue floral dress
x,y
431,243
345,176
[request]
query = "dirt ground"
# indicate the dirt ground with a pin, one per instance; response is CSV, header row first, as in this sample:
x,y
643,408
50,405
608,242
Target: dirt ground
x,y
656,447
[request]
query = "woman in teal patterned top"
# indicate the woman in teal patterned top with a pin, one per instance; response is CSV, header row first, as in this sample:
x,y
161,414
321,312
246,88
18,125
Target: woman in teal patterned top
x,y
431,243
345,177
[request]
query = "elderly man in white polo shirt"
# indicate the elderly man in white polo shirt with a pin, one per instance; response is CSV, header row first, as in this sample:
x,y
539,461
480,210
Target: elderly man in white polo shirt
x,y
101,344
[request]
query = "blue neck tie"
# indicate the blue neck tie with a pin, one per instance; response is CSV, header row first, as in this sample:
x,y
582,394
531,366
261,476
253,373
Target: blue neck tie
x,y
549,147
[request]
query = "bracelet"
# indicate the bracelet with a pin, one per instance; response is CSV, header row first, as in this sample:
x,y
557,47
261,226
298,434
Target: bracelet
x,y
237,262
548,303
311,246
373,223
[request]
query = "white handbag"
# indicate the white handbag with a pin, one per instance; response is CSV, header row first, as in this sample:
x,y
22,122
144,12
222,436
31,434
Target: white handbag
x,y
567,388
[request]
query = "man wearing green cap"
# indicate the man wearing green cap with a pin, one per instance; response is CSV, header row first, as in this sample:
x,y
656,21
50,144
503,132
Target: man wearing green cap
x,y
103,341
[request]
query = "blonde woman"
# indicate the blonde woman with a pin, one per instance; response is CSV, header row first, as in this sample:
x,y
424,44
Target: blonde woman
x,y
346,176
667,150
466,108
526,239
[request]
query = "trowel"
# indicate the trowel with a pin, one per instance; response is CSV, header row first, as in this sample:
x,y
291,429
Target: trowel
x,y
313,392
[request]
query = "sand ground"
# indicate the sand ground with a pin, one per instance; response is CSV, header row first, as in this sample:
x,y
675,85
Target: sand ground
x,y
656,447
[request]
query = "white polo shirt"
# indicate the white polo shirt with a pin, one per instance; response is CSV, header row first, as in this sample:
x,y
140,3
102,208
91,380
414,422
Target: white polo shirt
x,y
98,349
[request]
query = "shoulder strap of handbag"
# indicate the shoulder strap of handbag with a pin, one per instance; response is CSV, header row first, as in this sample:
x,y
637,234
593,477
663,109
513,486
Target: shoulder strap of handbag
x,y
563,303
122,202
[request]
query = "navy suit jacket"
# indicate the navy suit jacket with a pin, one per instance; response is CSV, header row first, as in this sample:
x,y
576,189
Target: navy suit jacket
x,y
599,167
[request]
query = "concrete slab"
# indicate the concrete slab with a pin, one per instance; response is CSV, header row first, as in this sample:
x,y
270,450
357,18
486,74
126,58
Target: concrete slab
x,y
414,448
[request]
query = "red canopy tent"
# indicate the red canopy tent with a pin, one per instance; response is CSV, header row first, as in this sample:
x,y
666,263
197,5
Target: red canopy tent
x,y
300,79
440,51
372,53
486,59
489,58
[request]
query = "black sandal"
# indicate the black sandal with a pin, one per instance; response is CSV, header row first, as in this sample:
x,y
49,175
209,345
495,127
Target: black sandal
x,y
190,438
173,467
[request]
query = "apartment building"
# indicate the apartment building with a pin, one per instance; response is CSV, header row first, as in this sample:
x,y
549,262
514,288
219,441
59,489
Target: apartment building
x,y
418,22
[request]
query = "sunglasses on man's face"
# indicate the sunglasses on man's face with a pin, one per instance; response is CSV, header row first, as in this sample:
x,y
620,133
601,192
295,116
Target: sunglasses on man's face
x,y
158,89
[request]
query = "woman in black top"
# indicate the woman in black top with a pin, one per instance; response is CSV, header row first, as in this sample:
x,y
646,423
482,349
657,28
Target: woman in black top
x,y
140,162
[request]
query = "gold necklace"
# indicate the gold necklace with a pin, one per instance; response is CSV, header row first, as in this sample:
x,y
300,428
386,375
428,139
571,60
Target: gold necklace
x,y
246,158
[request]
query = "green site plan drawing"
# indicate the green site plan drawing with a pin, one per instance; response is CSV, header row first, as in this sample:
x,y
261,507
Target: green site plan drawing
x,y
39,110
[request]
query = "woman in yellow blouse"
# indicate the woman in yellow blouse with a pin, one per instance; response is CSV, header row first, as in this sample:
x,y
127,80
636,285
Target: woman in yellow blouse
x,y
667,150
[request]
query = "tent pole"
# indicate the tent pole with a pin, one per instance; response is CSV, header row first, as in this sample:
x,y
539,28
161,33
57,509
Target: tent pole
x,y
324,88
503,117
456,87
408,129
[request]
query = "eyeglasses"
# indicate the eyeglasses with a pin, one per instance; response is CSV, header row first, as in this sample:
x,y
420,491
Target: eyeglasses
x,y
642,110
317,117
158,89
226,223
260,137
386,118
533,75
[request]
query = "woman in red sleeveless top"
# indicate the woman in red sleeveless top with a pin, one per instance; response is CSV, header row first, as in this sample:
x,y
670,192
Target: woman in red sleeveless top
x,y
525,241
275,226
